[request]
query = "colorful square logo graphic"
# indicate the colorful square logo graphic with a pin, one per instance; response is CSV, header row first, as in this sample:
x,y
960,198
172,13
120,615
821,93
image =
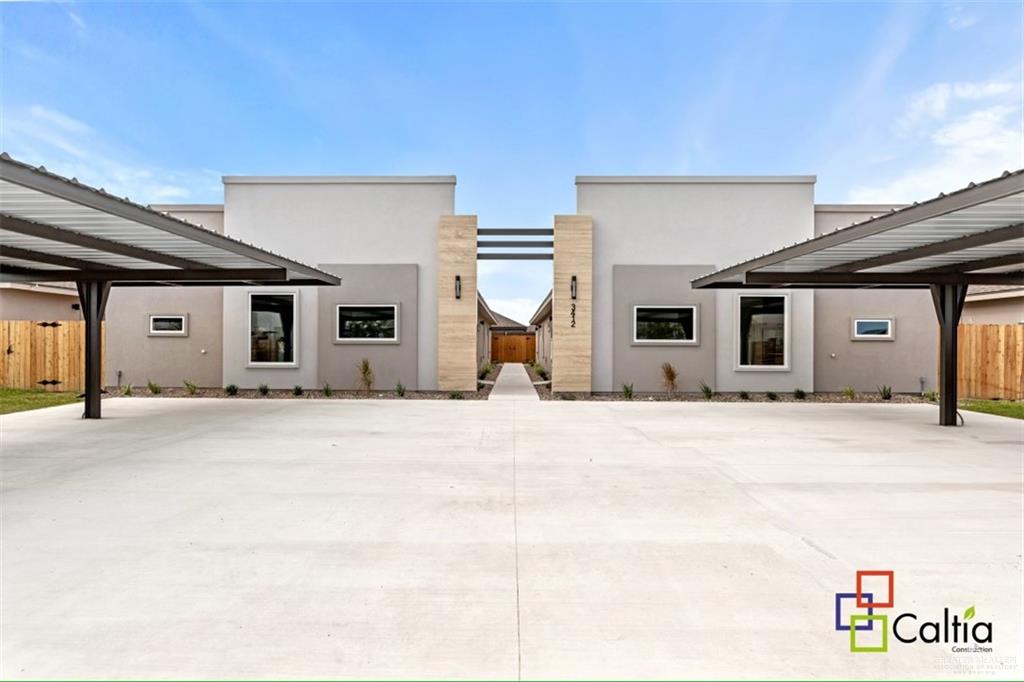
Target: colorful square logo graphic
x,y
870,603
843,619
861,647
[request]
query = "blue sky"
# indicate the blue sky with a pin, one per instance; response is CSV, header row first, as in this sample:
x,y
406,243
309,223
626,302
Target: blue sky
x,y
883,102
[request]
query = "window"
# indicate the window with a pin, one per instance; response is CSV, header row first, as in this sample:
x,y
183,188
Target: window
x,y
762,332
665,324
873,329
272,326
367,323
168,325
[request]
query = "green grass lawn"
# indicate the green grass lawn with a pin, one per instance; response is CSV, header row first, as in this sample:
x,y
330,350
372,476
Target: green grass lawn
x,y
21,399
1003,408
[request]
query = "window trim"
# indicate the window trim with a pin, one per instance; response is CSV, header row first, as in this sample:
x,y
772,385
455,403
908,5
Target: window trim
x,y
295,331
854,336
338,340
787,334
669,342
156,332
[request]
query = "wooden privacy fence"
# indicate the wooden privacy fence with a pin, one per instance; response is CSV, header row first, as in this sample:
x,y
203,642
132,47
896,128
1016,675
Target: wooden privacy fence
x,y
991,361
43,354
513,348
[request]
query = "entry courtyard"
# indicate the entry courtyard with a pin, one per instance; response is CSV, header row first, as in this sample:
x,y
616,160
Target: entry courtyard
x,y
213,538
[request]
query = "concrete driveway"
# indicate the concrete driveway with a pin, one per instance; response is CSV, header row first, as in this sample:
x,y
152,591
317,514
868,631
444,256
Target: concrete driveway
x,y
196,538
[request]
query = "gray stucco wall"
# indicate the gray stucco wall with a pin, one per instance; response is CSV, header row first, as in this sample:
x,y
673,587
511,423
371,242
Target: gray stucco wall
x,y
640,363
483,342
370,284
994,311
23,304
167,360
335,220
719,221
544,333
840,361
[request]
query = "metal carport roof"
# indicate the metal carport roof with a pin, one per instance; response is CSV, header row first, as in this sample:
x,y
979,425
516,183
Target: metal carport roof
x,y
56,229
974,235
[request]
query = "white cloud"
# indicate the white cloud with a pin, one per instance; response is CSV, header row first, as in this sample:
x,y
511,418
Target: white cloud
x,y
76,19
958,19
66,145
933,103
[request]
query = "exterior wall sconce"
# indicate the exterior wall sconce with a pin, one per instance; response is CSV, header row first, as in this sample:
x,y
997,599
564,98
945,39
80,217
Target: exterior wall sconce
x,y
458,286
572,288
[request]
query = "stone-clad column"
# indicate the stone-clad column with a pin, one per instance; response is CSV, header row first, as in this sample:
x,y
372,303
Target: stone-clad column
x,y
456,303
572,318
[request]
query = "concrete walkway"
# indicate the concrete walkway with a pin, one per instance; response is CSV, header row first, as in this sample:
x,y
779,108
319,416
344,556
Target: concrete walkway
x,y
513,384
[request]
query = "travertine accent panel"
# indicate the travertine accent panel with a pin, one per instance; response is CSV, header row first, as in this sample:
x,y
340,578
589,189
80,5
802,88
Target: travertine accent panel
x,y
456,318
572,320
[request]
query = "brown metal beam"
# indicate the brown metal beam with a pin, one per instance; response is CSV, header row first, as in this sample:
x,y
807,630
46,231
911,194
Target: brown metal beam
x,y
511,244
514,256
213,275
980,264
53,259
873,278
58,234
1001,234
516,231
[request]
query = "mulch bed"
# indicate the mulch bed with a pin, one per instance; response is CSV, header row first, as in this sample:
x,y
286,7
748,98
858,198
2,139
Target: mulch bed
x,y
543,390
278,394
902,398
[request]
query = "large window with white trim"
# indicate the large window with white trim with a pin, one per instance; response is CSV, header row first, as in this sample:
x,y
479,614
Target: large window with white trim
x,y
366,323
272,328
763,331
665,324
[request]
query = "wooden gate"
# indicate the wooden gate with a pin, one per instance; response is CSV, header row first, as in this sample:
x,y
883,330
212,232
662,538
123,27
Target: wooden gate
x,y
48,355
513,348
990,361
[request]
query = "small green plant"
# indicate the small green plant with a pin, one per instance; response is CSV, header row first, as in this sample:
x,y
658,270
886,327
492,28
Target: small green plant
x,y
263,390
191,386
771,395
455,395
706,390
399,389
744,395
539,370
566,396
848,392
885,391
486,369
480,385
327,390
800,394
669,377
127,391
627,391
365,375
154,387
297,390
931,396
231,389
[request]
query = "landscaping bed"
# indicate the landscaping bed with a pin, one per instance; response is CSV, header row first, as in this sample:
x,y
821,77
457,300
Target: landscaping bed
x,y
317,394
543,390
695,397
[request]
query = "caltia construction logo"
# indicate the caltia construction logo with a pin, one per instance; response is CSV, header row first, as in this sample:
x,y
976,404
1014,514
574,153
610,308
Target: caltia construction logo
x,y
869,632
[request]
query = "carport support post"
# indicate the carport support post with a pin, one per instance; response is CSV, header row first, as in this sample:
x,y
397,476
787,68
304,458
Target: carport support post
x,y
949,304
92,295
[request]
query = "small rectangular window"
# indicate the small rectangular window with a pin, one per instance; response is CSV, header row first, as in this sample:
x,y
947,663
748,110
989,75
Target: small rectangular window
x,y
665,324
168,325
873,329
762,332
367,323
272,328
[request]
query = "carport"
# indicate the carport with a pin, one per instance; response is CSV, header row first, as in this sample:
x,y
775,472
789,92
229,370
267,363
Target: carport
x,y
56,229
974,235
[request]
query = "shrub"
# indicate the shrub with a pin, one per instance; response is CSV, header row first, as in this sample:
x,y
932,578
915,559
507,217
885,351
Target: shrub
x,y
231,389
127,390
771,395
263,389
539,370
932,396
399,389
567,396
154,387
327,390
365,374
627,391
744,395
848,392
800,394
706,390
885,391
486,369
455,395
191,387
297,390
669,377
480,385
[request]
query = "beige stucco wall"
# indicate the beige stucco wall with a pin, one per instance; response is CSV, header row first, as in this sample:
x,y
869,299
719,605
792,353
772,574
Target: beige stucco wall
x,y
840,361
994,311
167,360
24,304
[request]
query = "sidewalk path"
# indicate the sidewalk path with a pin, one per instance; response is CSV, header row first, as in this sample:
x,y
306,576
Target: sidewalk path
x,y
513,384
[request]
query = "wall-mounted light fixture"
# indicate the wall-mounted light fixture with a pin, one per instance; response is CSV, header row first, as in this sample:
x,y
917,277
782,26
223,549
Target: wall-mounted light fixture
x,y
458,286
572,288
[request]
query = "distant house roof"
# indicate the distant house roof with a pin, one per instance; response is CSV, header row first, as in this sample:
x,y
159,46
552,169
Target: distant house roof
x,y
503,322
988,292
484,310
543,310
